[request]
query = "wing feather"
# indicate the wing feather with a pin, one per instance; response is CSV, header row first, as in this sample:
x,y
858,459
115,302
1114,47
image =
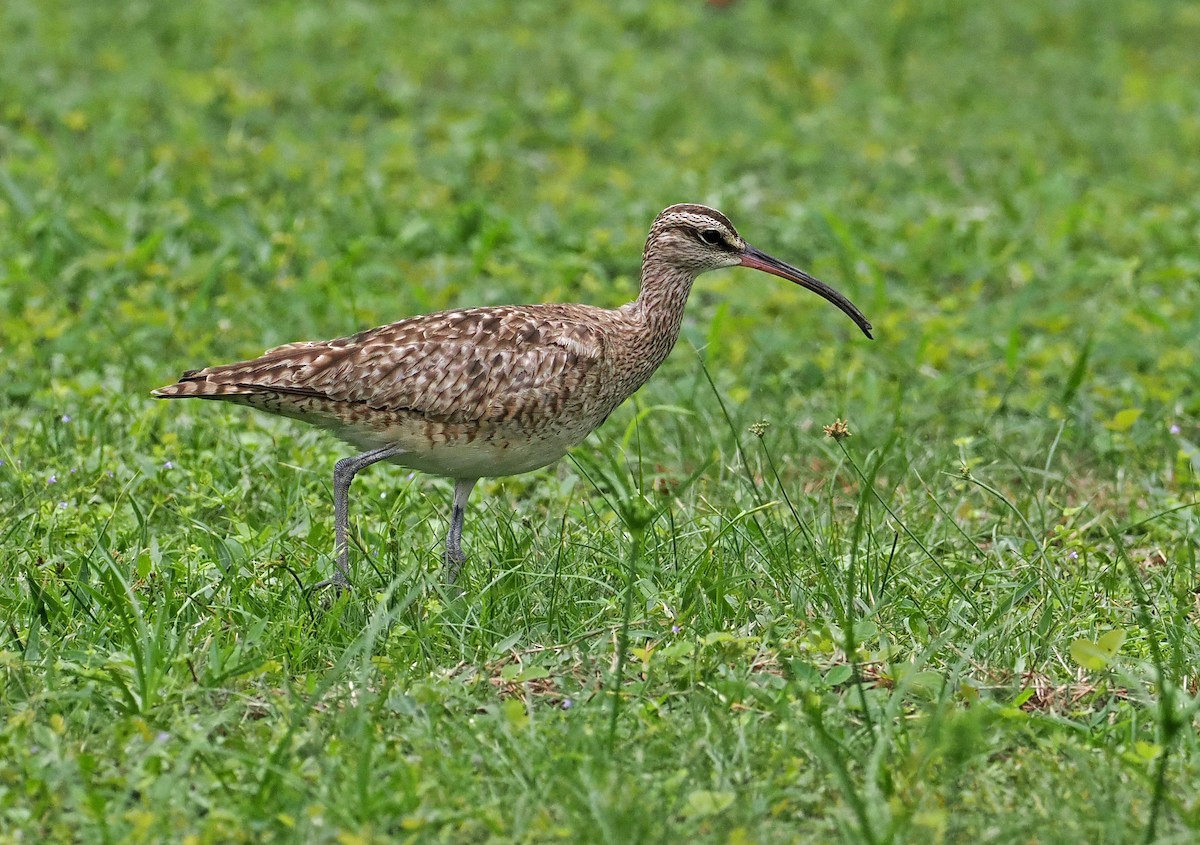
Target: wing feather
x,y
472,364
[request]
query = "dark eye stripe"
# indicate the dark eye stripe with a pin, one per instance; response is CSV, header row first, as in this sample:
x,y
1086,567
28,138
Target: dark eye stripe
x,y
712,237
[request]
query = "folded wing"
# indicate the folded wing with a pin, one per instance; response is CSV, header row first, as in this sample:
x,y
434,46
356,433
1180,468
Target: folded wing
x,y
457,366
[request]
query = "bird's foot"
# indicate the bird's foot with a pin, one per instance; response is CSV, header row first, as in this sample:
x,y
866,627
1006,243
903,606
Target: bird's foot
x,y
339,582
452,563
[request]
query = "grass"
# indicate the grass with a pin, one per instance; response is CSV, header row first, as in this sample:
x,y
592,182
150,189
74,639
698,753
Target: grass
x,y
973,620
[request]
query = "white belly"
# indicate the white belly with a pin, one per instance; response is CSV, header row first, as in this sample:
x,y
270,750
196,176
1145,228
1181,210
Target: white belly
x,y
485,459
454,453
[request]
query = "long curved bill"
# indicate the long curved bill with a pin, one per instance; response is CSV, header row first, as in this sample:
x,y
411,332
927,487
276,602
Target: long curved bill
x,y
759,260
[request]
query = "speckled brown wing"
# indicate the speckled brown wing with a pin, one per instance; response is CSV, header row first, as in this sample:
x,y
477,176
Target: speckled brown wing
x,y
455,366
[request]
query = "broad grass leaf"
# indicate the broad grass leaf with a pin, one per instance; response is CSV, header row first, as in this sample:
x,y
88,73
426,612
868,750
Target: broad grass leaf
x,y
1097,655
706,802
1123,420
1088,655
1112,641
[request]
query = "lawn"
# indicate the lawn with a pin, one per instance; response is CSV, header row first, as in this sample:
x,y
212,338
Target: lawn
x,y
973,620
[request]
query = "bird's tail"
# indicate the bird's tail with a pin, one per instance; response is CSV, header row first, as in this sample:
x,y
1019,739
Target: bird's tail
x,y
194,384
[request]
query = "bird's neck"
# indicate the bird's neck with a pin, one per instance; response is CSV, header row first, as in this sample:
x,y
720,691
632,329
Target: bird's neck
x,y
662,295
657,314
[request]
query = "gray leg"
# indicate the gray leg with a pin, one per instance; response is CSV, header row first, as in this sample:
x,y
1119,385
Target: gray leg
x,y
454,558
343,474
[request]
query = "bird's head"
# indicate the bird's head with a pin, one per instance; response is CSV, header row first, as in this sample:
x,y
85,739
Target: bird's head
x,y
697,239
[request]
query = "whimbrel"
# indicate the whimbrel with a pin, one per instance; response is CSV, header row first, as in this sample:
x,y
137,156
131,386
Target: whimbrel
x,y
485,392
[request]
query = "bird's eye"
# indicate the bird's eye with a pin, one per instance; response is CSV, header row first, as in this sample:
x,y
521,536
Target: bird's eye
x,y
711,237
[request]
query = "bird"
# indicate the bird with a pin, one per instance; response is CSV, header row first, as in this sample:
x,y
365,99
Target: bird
x,y
490,391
